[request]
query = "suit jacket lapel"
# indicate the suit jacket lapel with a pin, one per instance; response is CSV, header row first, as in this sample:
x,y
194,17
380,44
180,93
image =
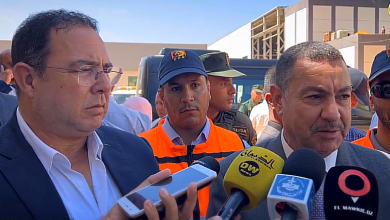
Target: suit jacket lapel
x,y
25,172
122,169
276,146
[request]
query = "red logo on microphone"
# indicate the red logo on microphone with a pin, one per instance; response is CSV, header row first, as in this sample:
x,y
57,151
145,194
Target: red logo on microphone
x,y
355,194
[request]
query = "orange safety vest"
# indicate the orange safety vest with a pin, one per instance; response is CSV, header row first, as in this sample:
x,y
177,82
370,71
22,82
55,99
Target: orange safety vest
x,y
220,144
365,141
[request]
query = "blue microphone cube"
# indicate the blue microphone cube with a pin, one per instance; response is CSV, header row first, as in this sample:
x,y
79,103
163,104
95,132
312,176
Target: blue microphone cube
x,y
298,192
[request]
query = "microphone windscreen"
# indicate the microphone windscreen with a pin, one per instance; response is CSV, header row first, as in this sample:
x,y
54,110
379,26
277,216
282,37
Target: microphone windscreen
x,y
209,162
253,172
306,163
350,193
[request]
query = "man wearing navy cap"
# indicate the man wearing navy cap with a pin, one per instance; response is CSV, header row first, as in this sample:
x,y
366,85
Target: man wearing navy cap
x,y
379,81
359,83
187,134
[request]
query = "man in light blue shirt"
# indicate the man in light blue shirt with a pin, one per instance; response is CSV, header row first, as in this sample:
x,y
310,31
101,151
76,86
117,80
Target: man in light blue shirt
x,y
123,118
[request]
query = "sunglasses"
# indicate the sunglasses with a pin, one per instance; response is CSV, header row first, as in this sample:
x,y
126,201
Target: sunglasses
x,y
381,90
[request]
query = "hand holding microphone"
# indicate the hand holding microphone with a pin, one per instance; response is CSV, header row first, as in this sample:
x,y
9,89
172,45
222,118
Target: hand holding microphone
x,y
351,193
248,180
292,192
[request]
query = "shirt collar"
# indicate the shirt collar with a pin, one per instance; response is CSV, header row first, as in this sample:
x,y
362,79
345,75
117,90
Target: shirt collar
x,y
174,137
330,160
45,153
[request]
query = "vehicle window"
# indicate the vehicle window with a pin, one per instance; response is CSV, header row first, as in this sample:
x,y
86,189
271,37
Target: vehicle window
x,y
121,98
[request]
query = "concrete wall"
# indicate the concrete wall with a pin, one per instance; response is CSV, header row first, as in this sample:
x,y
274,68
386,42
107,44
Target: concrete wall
x,y
128,55
296,24
360,50
237,44
344,18
321,21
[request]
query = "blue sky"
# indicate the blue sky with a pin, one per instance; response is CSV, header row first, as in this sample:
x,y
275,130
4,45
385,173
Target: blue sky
x,y
149,21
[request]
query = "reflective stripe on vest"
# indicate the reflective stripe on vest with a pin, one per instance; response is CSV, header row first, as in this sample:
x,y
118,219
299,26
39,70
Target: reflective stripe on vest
x,y
220,144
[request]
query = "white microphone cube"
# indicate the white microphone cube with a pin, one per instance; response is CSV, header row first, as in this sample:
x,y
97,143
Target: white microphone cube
x,y
298,192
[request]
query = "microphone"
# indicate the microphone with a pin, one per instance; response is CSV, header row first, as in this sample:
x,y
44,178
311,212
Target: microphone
x,y
292,192
351,193
208,162
248,180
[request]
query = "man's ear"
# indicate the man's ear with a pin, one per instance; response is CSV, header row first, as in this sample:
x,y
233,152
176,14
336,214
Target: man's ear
x,y
161,93
372,106
24,76
208,88
268,99
276,99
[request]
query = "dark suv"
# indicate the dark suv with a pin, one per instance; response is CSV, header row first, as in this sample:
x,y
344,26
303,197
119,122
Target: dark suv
x,y
255,69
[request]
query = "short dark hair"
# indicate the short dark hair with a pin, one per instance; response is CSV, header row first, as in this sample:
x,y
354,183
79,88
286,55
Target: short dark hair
x,y
269,79
30,43
311,51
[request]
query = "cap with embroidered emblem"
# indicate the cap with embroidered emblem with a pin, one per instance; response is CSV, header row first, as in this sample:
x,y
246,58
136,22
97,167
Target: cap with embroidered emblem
x,y
179,62
218,64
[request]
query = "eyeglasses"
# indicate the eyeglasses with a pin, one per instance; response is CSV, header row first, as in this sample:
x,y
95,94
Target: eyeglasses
x,y
87,75
381,90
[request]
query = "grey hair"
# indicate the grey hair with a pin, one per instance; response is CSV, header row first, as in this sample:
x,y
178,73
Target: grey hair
x,y
312,51
269,79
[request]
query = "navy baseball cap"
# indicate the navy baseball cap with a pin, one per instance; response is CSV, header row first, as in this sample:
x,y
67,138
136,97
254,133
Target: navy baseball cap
x,y
380,65
179,62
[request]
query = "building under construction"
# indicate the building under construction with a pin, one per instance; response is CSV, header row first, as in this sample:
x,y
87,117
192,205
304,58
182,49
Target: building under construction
x,y
267,35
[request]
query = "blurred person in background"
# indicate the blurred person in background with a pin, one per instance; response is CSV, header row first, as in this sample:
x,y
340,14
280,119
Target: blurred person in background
x,y
139,104
7,82
256,97
359,82
123,118
260,113
160,109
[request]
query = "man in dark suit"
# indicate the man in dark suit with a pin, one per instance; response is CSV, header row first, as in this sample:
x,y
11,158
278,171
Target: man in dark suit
x,y
56,161
8,104
312,95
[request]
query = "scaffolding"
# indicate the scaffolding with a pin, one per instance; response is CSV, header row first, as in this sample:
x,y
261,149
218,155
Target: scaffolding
x,y
267,35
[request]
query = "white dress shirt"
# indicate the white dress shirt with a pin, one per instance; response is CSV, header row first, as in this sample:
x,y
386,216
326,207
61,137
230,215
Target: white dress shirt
x,y
71,185
330,160
259,117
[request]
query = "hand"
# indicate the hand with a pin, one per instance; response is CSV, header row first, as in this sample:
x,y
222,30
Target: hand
x,y
171,209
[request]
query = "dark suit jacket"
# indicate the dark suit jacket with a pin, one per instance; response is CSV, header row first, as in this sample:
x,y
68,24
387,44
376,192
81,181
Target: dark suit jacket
x,y
270,132
26,190
8,104
4,87
348,155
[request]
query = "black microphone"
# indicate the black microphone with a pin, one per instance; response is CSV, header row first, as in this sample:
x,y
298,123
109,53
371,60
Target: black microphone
x,y
350,193
292,192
